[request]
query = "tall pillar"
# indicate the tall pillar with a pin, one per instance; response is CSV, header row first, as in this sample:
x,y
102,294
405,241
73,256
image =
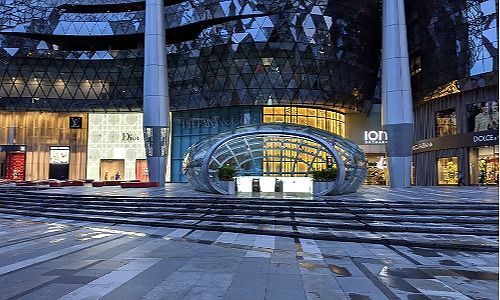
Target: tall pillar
x,y
156,99
397,105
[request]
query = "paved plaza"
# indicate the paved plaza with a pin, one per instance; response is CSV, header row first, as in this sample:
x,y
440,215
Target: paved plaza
x,y
47,257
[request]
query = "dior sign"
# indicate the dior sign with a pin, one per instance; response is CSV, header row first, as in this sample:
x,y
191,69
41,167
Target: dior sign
x,y
129,137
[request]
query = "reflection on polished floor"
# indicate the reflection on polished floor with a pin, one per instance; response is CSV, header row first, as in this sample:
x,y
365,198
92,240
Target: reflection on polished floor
x,y
53,258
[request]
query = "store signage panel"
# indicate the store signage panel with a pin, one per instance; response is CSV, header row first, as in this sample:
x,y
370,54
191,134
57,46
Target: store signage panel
x,y
375,137
75,122
12,148
216,121
470,139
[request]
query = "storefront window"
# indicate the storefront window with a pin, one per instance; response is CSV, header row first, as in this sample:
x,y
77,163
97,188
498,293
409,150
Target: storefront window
x,y
448,170
377,170
484,159
317,118
446,122
482,116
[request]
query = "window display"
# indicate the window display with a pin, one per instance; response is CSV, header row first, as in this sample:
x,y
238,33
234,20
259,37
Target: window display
x,y
59,155
446,122
112,169
482,116
377,170
484,160
448,170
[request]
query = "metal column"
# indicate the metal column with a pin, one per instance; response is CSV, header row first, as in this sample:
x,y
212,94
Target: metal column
x,y
156,99
397,105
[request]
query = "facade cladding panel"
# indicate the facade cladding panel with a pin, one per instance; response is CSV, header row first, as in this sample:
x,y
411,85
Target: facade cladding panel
x,y
87,56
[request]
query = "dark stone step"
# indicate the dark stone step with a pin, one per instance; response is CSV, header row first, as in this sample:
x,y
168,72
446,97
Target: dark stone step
x,y
326,209
273,202
435,244
317,214
273,221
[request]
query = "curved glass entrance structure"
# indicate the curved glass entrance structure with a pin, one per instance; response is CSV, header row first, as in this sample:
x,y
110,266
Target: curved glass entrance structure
x,y
276,150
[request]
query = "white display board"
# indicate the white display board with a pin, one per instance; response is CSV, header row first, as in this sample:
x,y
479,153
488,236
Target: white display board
x,y
267,184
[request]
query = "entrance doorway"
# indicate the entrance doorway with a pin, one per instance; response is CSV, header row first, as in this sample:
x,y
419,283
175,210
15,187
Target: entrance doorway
x,y
112,169
13,162
141,170
15,166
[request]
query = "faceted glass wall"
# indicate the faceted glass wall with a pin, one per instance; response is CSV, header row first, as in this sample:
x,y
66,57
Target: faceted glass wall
x,y
88,56
453,44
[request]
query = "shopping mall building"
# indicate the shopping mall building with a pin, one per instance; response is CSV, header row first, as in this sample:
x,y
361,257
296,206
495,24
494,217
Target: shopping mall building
x,y
71,72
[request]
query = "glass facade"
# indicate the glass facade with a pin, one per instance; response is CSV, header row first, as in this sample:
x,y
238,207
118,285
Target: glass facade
x,y
221,53
331,121
189,127
453,46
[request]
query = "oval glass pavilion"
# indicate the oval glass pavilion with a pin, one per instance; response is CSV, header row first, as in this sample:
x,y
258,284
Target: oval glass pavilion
x,y
275,150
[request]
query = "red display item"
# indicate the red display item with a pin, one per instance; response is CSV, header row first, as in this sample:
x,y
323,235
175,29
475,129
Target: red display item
x,y
147,184
15,162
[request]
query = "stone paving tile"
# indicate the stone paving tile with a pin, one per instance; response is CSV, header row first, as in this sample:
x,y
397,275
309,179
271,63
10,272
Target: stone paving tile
x,y
140,262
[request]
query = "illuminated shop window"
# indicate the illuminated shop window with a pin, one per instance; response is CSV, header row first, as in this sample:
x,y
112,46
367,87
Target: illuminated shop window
x,y
318,118
484,160
448,170
446,122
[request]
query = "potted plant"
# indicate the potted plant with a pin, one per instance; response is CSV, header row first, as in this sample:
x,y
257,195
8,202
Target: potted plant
x,y
323,179
226,178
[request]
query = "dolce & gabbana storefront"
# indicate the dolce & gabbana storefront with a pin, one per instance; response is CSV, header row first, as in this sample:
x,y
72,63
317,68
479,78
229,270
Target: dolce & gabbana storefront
x,y
443,160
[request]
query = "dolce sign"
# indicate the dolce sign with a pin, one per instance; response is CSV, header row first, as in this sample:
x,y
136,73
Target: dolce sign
x,y
423,145
469,139
375,137
484,138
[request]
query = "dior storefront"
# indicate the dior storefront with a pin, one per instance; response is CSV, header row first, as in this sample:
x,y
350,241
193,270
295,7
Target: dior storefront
x,y
116,147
